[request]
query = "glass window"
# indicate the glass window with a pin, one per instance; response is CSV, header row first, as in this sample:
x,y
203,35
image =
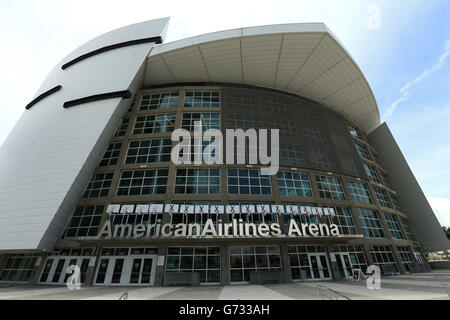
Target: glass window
x,y
407,229
330,188
406,255
288,127
203,260
202,99
359,192
18,268
371,172
382,255
197,181
122,130
322,159
143,182
208,120
248,182
85,222
294,184
375,157
362,150
149,151
244,260
343,219
155,124
385,179
111,155
370,223
382,197
99,185
198,150
395,202
291,154
354,131
299,260
159,101
357,256
393,226
243,121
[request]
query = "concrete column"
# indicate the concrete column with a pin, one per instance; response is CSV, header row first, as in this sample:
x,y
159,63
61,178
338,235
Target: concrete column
x,y
368,255
90,272
160,270
334,269
225,264
286,263
398,259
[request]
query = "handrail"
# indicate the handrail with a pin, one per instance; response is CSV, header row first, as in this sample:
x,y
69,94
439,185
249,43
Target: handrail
x,y
124,296
323,290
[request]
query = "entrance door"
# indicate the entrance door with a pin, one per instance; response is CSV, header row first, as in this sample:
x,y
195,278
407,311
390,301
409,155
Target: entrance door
x,y
103,272
141,271
110,272
55,269
131,270
344,265
319,266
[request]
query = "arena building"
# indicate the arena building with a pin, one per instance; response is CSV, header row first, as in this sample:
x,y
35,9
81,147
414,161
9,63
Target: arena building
x,y
86,176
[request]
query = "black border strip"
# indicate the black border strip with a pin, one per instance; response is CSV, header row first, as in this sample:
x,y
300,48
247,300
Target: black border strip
x,y
43,96
126,94
157,40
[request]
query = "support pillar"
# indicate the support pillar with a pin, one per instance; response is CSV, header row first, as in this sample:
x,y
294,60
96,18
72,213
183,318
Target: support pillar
x,y
225,264
160,270
398,260
93,263
334,268
285,262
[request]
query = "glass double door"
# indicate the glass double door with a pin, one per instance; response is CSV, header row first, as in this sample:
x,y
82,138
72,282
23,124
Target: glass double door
x,y
319,266
55,270
123,271
344,265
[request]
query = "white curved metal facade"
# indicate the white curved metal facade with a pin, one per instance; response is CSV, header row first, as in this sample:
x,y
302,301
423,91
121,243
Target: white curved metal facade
x,y
50,155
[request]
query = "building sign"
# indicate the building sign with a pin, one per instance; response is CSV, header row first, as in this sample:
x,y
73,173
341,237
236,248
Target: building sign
x,y
236,228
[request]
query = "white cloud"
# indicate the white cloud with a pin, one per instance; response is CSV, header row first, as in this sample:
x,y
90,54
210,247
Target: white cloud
x,y
441,207
405,93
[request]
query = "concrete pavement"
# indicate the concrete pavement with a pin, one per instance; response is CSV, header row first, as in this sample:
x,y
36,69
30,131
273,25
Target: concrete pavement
x,y
419,286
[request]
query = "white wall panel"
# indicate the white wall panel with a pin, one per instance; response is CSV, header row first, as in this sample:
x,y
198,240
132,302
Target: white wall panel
x,y
50,155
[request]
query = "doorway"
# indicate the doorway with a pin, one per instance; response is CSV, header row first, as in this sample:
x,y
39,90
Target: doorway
x,y
124,271
319,266
55,270
344,265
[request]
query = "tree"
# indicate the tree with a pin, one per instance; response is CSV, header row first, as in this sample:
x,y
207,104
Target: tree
x,y
447,232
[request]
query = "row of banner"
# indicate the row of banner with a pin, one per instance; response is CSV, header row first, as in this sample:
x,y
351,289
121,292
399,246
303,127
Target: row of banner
x,y
219,209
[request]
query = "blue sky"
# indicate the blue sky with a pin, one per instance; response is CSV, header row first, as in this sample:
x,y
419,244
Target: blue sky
x,y
406,60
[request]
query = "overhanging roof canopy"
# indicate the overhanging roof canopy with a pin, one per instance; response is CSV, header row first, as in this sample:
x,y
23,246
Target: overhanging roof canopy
x,y
303,59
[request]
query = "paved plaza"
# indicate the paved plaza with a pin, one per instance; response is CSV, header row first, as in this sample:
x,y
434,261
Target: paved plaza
x,y
420,286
